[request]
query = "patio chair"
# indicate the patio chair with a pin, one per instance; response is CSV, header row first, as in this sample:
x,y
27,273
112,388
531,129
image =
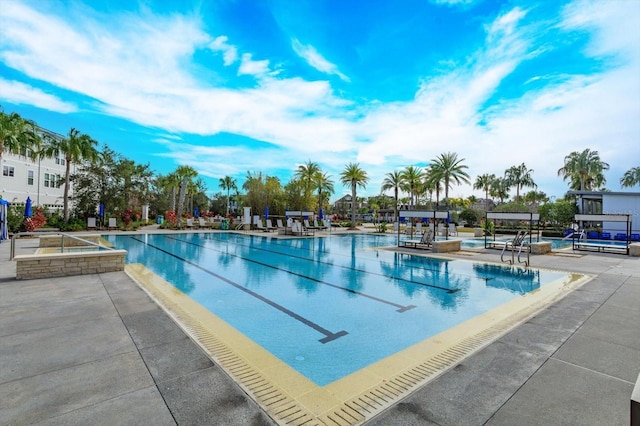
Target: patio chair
x,y
441,229
425,241
190,223
112,224
270,227
203,223
91,223
452,229
279,223
258,224
316,225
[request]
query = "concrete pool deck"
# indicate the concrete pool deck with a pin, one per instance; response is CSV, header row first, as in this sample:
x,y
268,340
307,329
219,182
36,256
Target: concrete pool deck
x,y
96,348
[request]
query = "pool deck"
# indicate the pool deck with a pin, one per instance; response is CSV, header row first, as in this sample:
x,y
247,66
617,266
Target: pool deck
x,y
96,348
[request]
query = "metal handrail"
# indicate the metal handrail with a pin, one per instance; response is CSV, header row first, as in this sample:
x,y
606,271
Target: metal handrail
x,y
63,234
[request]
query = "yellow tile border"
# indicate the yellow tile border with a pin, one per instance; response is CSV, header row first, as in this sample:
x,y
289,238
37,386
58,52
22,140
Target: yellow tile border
x,y
291,399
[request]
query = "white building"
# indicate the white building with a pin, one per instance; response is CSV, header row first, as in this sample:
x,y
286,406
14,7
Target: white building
x,y
42,180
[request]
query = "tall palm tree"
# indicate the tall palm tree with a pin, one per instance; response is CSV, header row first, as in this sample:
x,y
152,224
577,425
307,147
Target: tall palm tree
x,y
584,170
228,183
447,168
519,176
75,147
393,180
631,178
411,179
353,176
483,182
323,183
307,174
185,174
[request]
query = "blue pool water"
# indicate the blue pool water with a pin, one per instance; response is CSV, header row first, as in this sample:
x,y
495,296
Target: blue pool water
x,y
327,306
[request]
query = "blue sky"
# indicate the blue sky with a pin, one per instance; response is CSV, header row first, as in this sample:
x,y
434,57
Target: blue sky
x,y
234,86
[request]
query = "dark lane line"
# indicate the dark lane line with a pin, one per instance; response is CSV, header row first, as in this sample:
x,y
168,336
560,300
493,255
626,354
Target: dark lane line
x,y
448,290
329,336
400,309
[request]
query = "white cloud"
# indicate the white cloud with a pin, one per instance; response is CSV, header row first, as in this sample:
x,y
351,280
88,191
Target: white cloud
x,y
20,93
251,67
229,53
316,60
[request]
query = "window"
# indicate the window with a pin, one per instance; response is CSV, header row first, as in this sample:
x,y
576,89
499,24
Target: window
x,y
8,171
60,161
47,180
30,177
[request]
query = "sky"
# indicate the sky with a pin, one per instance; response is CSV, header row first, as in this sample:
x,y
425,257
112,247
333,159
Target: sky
x,y
236,86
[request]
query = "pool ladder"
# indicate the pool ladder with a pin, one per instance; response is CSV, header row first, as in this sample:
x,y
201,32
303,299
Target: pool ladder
x,y
518,243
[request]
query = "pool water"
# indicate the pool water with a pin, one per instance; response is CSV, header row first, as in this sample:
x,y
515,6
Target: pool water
x,y
330,306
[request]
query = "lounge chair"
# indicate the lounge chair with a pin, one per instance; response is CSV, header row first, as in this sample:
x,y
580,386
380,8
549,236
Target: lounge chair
x,y
112,224
424,242
441,229
270,227
279,223
190,224
452,229
91,223
316,225
258,224
202,223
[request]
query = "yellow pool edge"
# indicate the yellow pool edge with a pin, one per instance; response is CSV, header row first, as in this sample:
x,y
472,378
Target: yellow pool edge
x,y
290,398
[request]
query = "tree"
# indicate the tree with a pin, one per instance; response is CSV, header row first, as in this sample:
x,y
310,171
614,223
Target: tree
x,y
228,183
484,182
185,175
393,180
75,147
447,168
13,129
411,178
307,173
500,188
353,176
584,170
324,185
631,178
519,176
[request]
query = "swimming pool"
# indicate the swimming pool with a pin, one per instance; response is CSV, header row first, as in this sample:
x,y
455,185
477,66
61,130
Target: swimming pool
x,y
331,306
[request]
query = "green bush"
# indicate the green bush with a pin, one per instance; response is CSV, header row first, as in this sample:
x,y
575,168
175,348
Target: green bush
x,y
470,216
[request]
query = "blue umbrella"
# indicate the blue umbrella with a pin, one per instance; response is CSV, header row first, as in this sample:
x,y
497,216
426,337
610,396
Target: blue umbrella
x,y
196,212
101,210
4,232
286,212
27,208
266,212
448,217
321,214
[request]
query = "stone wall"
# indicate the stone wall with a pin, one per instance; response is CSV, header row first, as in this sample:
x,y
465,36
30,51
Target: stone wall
x,y
446,246
541,247
31,266
55,240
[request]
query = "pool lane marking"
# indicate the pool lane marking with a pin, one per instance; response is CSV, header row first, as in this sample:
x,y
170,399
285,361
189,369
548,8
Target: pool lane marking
x,y
400,309
448,290
329,336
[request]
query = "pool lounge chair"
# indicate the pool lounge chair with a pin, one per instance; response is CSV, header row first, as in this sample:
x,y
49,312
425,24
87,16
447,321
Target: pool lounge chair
x,y
316,225
452,229
91,223
279,223
426,241
112,224
270,227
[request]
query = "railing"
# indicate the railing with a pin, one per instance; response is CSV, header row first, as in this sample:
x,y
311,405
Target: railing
x,y
62,234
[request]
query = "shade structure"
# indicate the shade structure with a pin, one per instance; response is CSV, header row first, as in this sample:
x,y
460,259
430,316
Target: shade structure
x,y
266,212
321,214
27,208
196,212
4,210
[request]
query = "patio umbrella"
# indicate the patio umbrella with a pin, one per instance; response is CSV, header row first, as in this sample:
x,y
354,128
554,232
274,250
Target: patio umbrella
x,y
196,212
320,214
286,212
4,232
101,211
266,212
27,208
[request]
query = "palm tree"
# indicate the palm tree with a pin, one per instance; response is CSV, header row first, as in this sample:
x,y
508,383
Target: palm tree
x,y
500,188
12,131
411,179
353,176
631,178
519,176
185,175
584,169
228,183
75,147
484,182
393,180
307,174
323,182
447,168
